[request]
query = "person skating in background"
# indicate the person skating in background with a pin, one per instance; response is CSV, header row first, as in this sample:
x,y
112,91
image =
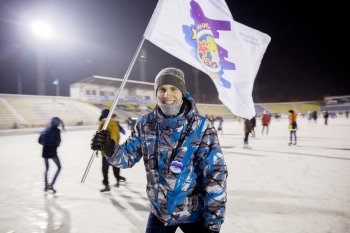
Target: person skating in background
x,y
265,121
220,120
326,116
50,139
131,121
314,116
185,167
211,118
292,127
114,132
247,130
253,125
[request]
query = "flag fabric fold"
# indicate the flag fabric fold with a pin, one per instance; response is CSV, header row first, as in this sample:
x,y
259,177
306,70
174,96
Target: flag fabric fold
x,y
203,34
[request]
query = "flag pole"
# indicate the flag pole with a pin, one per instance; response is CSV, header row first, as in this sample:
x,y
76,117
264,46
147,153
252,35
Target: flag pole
x,y
126,77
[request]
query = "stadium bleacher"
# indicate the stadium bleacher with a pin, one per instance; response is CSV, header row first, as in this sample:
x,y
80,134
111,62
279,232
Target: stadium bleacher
x,y
299,107
336,107
21,111
36,111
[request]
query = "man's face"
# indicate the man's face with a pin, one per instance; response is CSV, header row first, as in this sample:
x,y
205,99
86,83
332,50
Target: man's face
x,y
169,94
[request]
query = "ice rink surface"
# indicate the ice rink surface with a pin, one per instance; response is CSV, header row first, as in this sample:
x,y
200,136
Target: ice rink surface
x,y
272,188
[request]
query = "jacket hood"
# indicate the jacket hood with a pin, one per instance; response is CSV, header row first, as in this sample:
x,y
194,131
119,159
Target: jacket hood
x,y
104,114
55,122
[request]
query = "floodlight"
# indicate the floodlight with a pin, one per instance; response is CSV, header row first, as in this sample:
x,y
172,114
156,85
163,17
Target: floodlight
x,y
42,29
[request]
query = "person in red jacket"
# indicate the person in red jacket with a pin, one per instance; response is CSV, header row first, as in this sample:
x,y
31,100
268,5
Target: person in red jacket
x,y
292,127
265,121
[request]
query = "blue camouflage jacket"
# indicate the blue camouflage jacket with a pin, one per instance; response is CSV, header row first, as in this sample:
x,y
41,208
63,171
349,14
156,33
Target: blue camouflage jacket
x,y
185,168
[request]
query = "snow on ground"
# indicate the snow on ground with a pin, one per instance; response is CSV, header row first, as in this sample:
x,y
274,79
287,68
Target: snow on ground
x,y
272,188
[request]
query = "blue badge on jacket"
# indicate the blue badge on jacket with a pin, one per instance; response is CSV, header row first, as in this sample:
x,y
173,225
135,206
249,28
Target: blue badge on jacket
x,y
176,166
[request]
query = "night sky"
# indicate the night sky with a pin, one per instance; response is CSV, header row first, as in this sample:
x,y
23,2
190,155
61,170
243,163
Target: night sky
x,y
305,60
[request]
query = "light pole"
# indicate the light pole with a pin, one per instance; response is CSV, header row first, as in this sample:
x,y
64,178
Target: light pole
x,y
40,66
42,31
19,84
57,83
143,59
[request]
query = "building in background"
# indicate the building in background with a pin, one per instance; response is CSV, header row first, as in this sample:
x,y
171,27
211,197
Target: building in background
x,y
104,89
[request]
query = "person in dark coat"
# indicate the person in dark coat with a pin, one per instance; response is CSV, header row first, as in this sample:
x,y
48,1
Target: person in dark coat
x,y
253,124
325,116
50,138
247,131
114,130
314,116
220,121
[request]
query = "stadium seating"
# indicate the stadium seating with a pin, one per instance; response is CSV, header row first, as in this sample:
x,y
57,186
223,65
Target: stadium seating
x,y
214,110
19,111
336,107
36,111
299,107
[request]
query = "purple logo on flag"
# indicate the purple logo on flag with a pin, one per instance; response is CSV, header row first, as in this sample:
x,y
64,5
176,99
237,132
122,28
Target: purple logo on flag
x,y
201,37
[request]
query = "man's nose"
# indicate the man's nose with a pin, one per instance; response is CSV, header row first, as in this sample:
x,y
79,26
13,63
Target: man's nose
x,y
166,93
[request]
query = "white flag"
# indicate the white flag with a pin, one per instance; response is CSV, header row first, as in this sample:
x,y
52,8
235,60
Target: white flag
x,y
203,34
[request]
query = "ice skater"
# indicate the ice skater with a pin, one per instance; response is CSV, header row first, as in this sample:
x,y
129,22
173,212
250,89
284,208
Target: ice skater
x,y
50,138
292,127
247,130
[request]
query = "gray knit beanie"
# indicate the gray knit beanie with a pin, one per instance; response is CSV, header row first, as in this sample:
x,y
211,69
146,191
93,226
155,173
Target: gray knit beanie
x,y
170,76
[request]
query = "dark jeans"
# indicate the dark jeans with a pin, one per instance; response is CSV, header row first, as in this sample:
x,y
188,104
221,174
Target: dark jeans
x,y
105,169
156,226
246,136
263,128
58,164
293,133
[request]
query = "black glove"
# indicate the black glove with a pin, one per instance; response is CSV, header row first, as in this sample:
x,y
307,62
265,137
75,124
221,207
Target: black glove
x,y
102,141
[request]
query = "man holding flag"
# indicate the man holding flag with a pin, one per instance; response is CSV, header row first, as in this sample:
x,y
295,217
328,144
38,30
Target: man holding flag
x,y
185,167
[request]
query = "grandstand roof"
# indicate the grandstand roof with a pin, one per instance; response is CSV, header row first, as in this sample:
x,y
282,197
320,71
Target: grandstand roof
x,y
109,81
